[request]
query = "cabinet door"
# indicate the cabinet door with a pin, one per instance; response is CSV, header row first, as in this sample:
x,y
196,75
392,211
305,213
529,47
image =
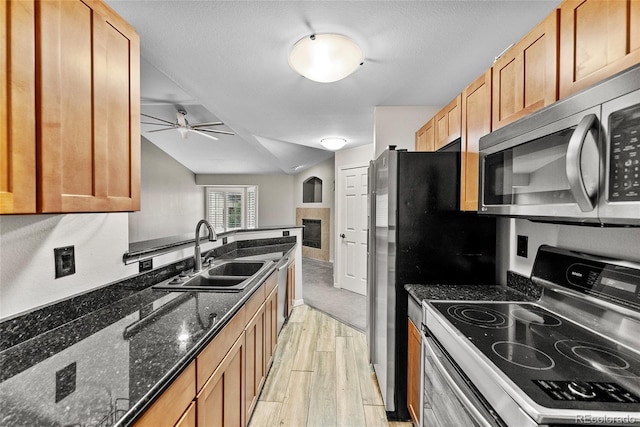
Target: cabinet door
x,y
189,417
525,77
476,122
255,373
597,39
425,137
221,402
270,328
89,100
291,286
413,372
17,108
169,408
447,124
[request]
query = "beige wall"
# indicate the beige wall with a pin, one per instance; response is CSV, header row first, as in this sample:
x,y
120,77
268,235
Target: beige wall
x,y
275,195
324,171
398,125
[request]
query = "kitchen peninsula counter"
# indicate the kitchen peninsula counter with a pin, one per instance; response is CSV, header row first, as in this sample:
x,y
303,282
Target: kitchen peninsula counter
x,y
108,365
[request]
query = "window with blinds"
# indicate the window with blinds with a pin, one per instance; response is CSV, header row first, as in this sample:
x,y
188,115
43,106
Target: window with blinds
x,y
231,208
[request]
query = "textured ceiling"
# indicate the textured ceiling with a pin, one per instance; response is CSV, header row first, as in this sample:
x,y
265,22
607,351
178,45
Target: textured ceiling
x,y
227,60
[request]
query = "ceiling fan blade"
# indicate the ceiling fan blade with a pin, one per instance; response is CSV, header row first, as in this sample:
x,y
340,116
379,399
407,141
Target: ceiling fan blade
x,y
158,124
155,118
206,124
215,131
161,130
203,134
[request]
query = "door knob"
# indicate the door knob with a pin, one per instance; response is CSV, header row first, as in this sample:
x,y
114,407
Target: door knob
x,y
342,235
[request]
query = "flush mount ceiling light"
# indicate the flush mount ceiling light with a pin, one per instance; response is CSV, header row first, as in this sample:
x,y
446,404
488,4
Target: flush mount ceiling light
x,y
333,143
325,58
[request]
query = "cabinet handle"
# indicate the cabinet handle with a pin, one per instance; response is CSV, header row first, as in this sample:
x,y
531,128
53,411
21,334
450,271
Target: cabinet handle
x,y
342,235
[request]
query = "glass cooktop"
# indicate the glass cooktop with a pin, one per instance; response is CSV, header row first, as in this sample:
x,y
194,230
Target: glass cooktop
x,y
556,362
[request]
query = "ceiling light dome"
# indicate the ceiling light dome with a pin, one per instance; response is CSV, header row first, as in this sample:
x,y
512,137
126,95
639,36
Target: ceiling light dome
x,y
333,143
325,58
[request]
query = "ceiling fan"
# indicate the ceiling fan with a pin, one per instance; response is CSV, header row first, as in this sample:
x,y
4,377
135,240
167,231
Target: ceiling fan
x,y
183,126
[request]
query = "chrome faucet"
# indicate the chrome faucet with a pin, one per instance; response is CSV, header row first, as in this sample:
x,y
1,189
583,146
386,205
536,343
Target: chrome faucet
x,y
212,238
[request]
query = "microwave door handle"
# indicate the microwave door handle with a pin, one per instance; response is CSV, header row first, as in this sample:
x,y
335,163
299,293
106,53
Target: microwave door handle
x,y
574,170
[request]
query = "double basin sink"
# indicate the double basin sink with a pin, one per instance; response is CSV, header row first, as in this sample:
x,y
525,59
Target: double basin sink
x,y
221,276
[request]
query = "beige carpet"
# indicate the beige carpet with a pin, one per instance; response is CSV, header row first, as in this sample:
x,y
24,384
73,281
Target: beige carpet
x,y
319,293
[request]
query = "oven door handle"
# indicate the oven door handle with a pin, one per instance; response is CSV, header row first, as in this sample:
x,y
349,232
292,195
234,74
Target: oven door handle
x,y
468,402
585,201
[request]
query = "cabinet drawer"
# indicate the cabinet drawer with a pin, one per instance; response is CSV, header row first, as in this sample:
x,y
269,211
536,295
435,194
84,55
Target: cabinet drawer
x,y
271,283
209,358
253,304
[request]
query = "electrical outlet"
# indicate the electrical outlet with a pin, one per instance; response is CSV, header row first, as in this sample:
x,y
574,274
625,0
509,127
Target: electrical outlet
x,y
224,240
522,246
65,261
285,233
145,265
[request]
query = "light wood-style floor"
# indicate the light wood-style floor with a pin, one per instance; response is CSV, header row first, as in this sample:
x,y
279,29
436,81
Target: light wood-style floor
x,y
320,377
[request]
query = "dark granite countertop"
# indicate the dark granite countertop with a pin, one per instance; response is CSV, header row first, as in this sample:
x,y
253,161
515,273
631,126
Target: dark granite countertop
x,y
465,293
111,363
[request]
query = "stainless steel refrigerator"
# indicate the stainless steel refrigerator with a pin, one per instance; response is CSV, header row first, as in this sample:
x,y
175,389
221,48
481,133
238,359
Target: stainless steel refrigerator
x,y
416,235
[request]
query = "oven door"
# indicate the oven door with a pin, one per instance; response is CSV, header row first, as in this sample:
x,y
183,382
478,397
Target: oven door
x,y
551,172
448,398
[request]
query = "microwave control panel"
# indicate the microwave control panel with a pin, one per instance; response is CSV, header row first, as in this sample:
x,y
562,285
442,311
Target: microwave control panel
x,y
624,167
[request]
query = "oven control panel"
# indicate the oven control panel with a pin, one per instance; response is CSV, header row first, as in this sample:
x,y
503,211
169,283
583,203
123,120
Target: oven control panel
x,y
615,281
624,167
586,391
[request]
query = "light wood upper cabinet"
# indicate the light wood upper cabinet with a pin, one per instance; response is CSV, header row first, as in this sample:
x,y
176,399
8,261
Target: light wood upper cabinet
x,y
597,39
89,106
447,124
69,108
17,108
476,122
525,77
425,137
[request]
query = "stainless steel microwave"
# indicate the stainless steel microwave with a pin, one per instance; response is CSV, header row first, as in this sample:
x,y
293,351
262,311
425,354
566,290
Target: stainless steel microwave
x,y
576,161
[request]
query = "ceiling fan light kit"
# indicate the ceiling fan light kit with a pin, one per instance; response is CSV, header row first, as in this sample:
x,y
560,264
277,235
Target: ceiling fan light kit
x,y
183,126
333,143
325,58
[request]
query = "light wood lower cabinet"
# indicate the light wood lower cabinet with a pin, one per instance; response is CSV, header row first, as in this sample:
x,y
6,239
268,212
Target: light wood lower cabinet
x,y
255,349
221,402
221,387
169,408
271,327
189,417
291,285
413,372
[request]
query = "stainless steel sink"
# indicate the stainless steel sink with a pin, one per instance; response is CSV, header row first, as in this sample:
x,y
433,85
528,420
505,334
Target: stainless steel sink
x,y
222,276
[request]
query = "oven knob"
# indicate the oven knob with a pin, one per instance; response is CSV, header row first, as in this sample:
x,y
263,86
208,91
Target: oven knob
x,y
582,389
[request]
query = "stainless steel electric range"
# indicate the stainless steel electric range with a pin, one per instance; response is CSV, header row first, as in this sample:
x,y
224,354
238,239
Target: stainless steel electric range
x,y
571,358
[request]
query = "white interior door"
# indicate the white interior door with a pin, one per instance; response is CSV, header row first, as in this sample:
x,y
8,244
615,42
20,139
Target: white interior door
x,y
352,230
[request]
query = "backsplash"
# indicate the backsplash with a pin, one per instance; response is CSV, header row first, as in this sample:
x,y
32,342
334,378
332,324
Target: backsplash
x,y
523,284
40,320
